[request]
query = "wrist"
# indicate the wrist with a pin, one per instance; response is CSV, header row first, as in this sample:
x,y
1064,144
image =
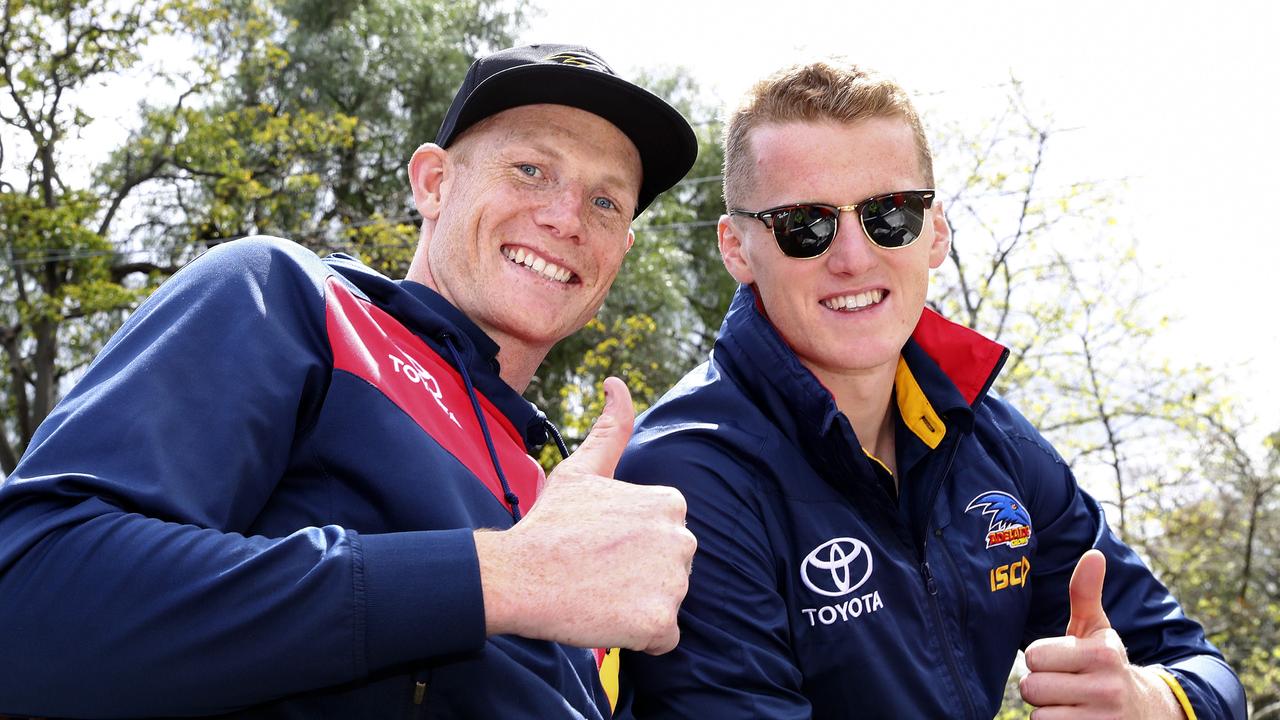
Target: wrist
x,y
498,582
1158,697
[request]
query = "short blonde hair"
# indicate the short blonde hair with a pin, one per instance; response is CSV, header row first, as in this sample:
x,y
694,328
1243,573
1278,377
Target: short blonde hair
x,y
828,90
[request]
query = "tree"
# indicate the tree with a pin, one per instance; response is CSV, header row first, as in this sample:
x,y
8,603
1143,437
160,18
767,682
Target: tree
x,y
291,117
308,134
1218,552
1050,273
62,285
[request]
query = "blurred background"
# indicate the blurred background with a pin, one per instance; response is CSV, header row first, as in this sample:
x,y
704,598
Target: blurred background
x,y
1099,164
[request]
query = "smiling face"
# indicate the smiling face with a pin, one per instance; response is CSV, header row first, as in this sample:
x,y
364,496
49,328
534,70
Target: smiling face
x,y
850,311
527,218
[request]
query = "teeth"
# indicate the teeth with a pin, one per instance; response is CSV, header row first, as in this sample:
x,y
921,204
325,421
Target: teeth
x,y
549,270
854,302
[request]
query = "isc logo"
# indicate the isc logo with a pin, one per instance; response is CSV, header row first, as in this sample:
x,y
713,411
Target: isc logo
x,y
1013,574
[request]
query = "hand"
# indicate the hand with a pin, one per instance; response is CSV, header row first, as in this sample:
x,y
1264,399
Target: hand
x,y
1087,674
596,562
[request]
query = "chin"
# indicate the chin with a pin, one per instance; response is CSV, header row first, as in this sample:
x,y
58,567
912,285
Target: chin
x,y
864,358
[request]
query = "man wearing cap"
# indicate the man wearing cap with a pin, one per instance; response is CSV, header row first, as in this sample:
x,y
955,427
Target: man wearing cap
x,y
878,534
291,487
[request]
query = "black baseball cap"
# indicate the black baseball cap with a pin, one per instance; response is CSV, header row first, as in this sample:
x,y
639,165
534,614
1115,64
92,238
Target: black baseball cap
x,y
575,76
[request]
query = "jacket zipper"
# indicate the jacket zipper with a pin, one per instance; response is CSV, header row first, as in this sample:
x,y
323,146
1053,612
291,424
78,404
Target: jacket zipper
x,y
931,585
421,680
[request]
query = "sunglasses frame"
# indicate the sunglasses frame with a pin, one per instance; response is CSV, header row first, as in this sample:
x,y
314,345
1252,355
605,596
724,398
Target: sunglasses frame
x,y
766,217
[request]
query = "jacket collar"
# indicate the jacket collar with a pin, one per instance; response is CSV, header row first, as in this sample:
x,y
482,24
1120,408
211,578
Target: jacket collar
x,y
433,318
952,366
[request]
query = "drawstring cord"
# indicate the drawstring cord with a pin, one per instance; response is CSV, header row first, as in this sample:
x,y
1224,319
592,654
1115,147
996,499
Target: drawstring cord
x,y
555,434
512,499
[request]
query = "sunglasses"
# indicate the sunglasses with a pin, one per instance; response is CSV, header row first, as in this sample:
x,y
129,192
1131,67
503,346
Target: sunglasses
x,y
805,230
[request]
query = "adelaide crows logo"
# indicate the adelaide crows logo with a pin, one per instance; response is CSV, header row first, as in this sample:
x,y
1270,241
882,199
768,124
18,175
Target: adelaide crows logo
x,y
1010,523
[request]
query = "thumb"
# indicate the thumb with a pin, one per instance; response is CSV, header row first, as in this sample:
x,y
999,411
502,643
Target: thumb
x,y
599,452
1087,615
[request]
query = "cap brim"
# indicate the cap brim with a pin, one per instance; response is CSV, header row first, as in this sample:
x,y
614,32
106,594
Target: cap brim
x,y
664,139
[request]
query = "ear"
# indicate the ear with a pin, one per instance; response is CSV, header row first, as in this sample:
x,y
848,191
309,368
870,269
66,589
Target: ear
x,y
427,178
631,240
731,251
941,236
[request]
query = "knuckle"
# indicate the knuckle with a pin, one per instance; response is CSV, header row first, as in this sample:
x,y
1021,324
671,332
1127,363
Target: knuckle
x,y
1110,693
1029,688
690,542
679,504
671,616
663,643
1103,655
670,500
1032,656
604,425
660,619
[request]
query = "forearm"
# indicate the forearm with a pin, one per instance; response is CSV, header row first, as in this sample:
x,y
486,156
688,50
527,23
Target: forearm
x,y
122,615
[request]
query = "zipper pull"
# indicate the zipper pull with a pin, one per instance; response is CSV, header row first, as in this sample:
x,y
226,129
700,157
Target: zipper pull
x,y
419,691
930,584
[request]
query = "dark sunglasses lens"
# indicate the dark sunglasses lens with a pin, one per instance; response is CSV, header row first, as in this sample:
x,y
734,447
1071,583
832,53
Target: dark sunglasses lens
x,y
893,221
804,231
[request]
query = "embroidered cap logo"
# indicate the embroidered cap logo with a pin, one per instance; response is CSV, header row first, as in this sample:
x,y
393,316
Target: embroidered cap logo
x,y
578,59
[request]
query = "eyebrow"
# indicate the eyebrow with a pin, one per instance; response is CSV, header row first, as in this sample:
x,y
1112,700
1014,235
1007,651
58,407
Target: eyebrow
x,y
612,180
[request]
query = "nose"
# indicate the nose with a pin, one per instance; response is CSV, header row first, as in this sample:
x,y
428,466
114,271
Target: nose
x,y
851,252
560,210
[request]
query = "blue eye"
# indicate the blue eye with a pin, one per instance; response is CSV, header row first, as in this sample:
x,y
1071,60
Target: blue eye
x,y
604,202
530,170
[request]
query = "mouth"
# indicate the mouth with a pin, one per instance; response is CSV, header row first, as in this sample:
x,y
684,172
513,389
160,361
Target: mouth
x,y
855,303
538,264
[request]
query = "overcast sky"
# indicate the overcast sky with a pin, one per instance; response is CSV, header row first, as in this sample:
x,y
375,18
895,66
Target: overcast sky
x,y
1179,99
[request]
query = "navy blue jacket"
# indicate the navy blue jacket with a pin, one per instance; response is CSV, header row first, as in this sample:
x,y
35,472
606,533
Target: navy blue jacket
x,y
259,501
819,591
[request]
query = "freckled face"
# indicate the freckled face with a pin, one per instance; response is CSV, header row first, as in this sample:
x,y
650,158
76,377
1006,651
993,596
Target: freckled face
x,y
534,221
852,309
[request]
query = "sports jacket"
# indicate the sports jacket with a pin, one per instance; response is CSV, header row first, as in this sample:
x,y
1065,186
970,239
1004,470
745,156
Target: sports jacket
x,y
817,591
259,501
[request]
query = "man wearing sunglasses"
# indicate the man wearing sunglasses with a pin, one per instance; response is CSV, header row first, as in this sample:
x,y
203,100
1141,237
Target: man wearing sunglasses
x,y
879,534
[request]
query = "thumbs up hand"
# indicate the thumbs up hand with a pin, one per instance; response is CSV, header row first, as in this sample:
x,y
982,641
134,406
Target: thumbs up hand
x,y
1086,673
596,562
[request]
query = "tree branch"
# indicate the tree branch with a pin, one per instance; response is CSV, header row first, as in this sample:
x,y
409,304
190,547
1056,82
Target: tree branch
x,y
119,272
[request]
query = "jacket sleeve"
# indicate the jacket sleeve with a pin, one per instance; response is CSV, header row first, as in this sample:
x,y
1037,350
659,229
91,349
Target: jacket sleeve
x,y
1068,521
128,586
734,658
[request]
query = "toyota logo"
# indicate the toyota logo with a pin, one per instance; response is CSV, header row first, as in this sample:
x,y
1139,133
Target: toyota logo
x,y
832,566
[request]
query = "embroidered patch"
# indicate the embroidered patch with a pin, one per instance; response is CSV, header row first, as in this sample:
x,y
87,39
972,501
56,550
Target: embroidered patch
x,y
576,58
1010,524
1015,574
